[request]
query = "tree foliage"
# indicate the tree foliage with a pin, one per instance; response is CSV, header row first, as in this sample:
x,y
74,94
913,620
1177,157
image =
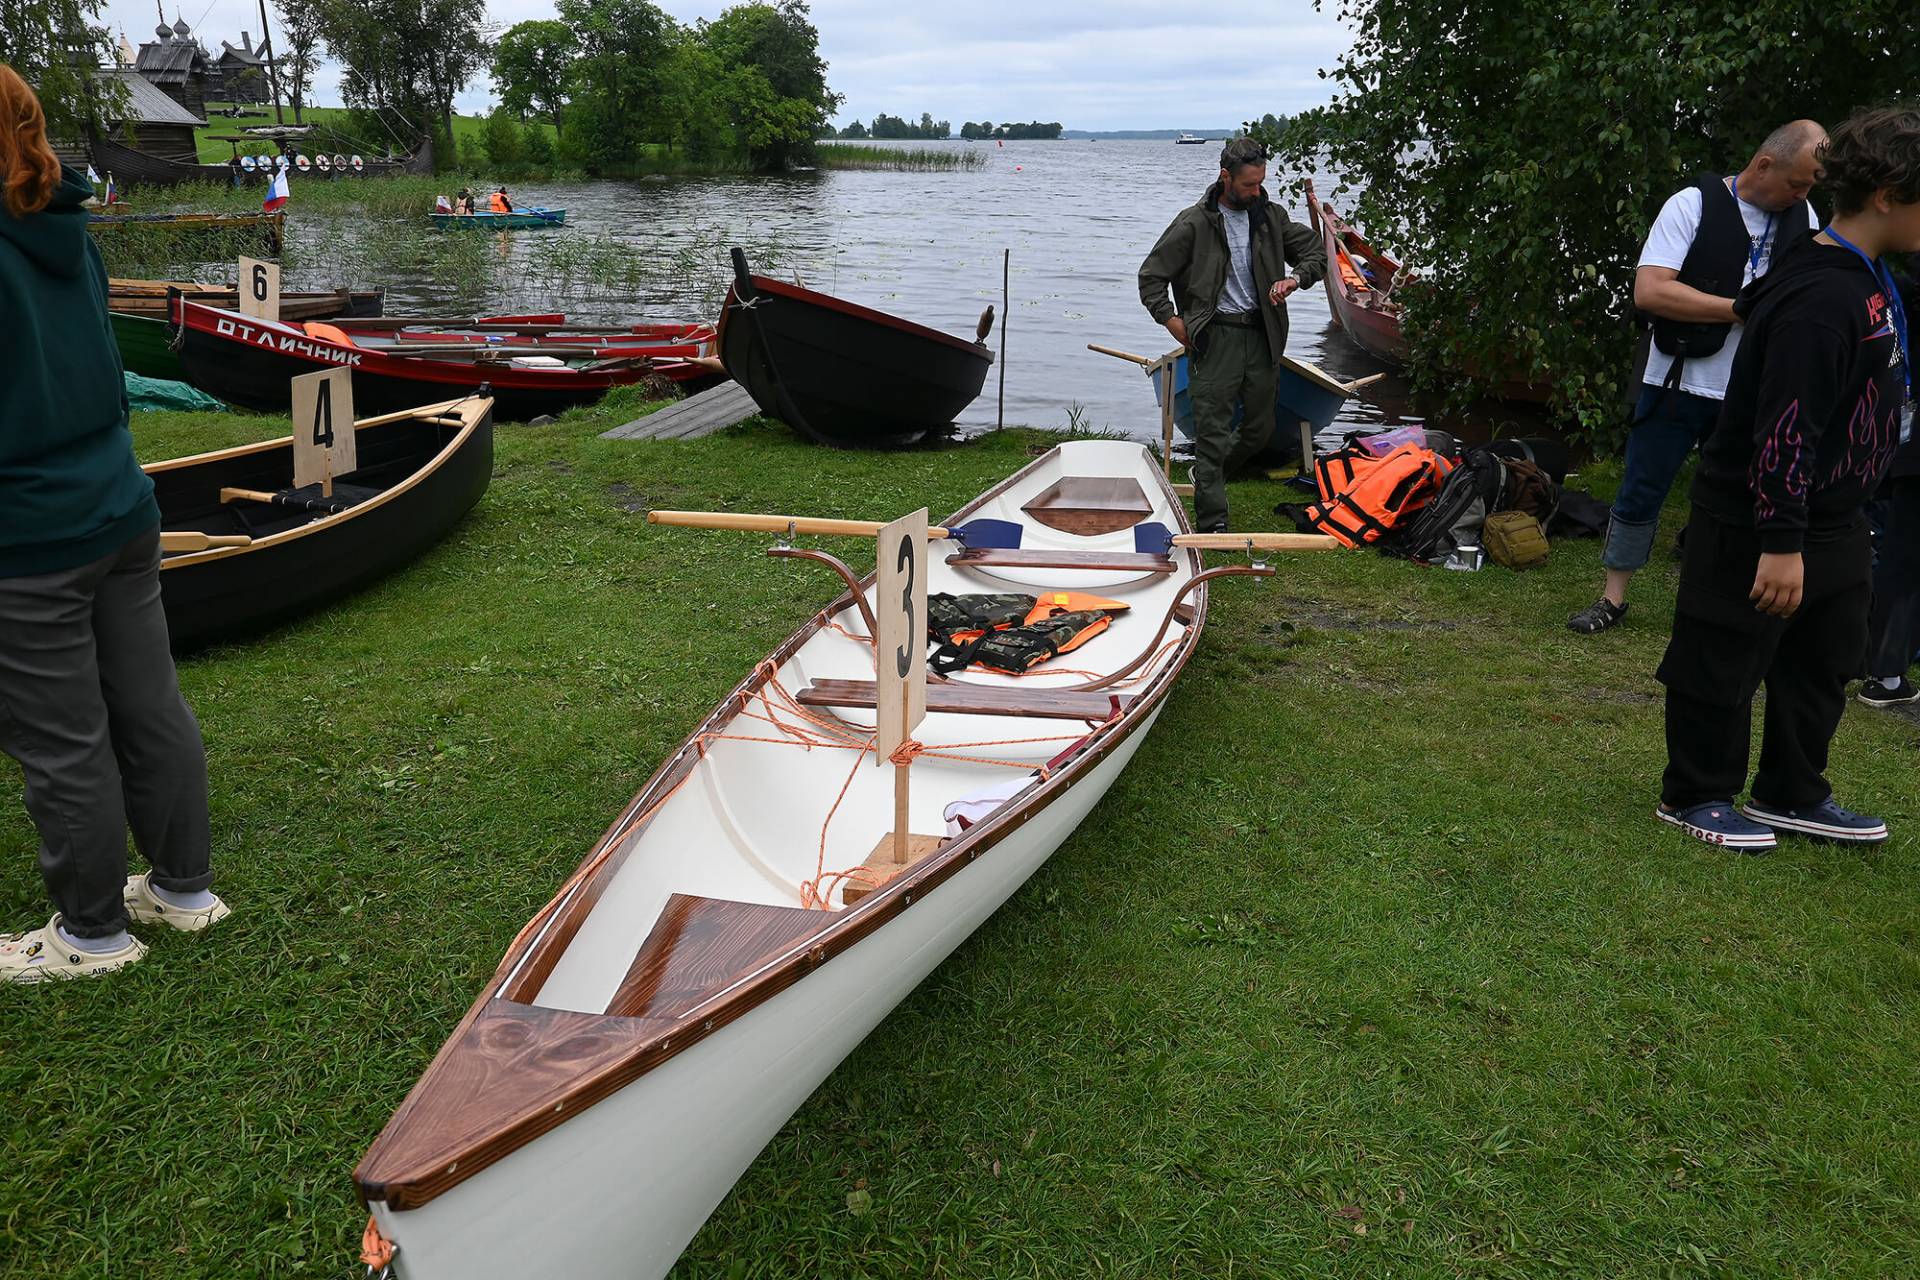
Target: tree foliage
x,y
618,87
54,44
532,67
407,58
781,100
298,51
1517,153
886,126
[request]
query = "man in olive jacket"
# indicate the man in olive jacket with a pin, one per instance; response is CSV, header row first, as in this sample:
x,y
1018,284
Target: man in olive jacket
x,y
1226,261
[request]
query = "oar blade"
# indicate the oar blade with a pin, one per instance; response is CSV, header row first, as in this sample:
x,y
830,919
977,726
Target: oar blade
x,y
1152,538
1000,535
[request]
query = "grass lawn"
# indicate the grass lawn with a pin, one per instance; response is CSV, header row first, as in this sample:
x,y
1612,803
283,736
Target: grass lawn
x,y
1372,964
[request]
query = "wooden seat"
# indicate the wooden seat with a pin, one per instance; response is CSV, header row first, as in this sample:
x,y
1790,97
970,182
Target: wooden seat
x,y
1122,561
977,700
1091,505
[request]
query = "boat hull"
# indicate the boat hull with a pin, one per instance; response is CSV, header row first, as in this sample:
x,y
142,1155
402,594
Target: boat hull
x,y
620,1197
1297,399
842,374
218,595
145,347
251,364
528,220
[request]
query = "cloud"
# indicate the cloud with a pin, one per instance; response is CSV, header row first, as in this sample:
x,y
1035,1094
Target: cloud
x,y
1087,64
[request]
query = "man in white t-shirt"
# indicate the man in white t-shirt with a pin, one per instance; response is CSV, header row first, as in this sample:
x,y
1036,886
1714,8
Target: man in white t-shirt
x,y
1711,240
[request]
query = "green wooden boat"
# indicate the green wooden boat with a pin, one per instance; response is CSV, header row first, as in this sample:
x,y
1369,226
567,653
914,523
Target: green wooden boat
x,y
145,349
518,220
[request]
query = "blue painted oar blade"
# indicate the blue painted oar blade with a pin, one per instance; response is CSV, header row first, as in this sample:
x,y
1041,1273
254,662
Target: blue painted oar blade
x,y
1001,534
1152,538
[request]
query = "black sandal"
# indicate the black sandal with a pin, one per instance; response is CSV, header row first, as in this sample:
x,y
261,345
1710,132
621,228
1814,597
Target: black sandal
x,y
1597,617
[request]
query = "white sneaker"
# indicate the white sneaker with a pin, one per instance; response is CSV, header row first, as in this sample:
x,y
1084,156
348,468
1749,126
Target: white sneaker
x,y
145,907
39,955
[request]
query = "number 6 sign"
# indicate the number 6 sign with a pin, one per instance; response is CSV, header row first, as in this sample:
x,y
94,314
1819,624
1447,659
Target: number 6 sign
x,y
259,289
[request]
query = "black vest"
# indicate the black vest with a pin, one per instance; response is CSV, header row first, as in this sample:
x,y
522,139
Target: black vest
x,y
1716,263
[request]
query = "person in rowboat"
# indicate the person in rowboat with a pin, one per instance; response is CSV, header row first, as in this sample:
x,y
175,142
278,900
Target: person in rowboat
x,y
1774,588
1710,240
498,202
89,702
463,203
1225,262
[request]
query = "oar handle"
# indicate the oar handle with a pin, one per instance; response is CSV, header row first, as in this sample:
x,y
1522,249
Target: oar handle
x,y
1256,541
246,495
190,541
1122,355
1367,381
755,522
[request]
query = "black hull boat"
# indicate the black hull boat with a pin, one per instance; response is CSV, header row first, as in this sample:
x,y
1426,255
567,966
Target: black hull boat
x,y
417,476
843,374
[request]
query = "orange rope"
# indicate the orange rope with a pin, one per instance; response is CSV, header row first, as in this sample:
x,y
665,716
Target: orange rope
x,y
375,1249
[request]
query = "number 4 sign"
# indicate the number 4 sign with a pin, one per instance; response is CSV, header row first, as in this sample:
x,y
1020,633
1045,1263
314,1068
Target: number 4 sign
x,y
323,439
259,289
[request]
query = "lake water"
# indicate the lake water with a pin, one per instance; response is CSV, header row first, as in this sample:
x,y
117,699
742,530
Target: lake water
x,y
1076,217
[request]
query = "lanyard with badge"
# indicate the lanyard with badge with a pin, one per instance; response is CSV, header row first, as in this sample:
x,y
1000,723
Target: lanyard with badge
x,y
1897,313
1756,249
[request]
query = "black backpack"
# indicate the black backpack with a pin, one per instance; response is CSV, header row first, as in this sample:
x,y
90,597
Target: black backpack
x,y
1470,494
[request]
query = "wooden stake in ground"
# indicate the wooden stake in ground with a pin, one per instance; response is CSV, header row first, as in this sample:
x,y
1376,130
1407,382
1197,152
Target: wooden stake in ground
x,y
323,431
900,653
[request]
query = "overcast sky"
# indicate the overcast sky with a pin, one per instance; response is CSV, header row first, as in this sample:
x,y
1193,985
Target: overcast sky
x,y
1090,64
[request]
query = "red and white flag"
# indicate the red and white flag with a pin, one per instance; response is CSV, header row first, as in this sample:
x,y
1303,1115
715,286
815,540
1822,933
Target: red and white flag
x,y
277,193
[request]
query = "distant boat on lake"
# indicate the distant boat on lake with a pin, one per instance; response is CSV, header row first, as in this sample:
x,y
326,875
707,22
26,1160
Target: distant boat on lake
x,y
1188,139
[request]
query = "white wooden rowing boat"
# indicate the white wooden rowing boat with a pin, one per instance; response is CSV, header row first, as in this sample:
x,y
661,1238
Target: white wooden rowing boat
x,y
655,1025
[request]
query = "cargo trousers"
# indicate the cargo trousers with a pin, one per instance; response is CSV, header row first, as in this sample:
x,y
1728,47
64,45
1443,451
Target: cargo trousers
x,y
90,706
1236,368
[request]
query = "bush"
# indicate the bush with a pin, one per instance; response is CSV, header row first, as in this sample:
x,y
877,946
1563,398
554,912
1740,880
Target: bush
x,y
502,139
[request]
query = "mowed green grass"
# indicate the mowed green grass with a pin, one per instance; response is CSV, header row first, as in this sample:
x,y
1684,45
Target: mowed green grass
x,y
1372,964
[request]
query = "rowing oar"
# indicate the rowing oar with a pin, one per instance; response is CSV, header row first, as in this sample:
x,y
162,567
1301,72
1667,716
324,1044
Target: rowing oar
x,y
189,541
975,533
1154,539
324,506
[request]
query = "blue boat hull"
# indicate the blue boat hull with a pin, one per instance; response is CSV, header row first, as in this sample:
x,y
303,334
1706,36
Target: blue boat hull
x,y
1296,399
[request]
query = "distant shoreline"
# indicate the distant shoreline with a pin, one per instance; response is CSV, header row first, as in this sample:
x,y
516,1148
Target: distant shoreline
x,y
1147,135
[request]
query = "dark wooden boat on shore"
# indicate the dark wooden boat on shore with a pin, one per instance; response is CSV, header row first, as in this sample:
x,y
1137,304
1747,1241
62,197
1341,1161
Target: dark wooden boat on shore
x,y
131,166
250,363
843,374
419,473
270,228
139,313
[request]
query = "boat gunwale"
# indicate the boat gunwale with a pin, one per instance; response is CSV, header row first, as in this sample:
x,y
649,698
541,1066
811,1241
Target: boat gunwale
x,y
424,1175
415,368
800,293
474,411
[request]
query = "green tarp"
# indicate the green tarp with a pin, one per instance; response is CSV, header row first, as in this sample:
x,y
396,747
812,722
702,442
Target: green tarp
x,y
153,393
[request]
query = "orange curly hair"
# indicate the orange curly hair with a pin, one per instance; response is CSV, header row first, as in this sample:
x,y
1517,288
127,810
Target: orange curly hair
x,y
29,173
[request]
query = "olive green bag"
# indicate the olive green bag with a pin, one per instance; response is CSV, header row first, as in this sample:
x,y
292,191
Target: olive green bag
x,y
1515,539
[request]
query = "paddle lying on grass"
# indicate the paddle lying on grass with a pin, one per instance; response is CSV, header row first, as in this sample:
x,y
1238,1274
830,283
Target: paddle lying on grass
x,y
190,541
1152,538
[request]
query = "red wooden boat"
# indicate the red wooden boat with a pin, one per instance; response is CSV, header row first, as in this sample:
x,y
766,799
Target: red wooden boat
x,y
1361,282
531,365
1361,286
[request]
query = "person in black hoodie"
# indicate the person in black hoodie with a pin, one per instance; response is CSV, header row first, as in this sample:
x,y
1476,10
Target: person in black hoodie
x,y
89,702
1894,626
1775,584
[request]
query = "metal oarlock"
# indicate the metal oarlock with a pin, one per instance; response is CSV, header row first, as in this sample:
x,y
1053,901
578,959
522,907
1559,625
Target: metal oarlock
x,y
784,542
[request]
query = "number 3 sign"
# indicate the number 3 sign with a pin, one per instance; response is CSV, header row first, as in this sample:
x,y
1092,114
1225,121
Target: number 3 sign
x,y
900,609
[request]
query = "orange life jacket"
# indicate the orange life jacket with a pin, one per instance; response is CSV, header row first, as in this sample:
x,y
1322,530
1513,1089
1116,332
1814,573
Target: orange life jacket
x,y
1362,497
989,631
498,203
327,333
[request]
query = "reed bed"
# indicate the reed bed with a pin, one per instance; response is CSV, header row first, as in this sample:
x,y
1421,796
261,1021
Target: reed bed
x,y
838,155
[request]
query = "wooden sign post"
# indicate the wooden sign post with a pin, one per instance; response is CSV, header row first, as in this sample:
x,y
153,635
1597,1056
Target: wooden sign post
x,y
900,653
323,438
259,289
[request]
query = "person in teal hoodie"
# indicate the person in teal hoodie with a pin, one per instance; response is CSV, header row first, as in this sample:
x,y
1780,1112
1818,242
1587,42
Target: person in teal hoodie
x,y
90,705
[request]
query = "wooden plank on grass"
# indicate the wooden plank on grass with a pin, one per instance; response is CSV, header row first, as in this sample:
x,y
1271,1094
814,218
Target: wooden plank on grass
x,y
697,415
